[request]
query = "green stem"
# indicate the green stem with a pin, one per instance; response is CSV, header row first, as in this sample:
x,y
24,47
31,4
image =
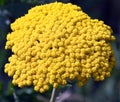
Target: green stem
x,y
15,97
53,96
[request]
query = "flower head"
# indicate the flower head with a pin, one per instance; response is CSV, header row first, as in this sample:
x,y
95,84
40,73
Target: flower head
x,y
56,42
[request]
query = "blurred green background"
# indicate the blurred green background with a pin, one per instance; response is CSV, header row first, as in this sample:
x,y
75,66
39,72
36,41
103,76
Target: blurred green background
x,y
106,91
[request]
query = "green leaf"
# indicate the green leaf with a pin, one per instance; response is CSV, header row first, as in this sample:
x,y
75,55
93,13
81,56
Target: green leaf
x,y
10,89
1,88
2,2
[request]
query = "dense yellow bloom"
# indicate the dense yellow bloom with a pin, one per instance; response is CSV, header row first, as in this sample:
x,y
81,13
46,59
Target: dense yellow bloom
x,y
56,42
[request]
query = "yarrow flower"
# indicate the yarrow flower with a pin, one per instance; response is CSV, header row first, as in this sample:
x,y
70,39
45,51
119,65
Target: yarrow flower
x,y
56,42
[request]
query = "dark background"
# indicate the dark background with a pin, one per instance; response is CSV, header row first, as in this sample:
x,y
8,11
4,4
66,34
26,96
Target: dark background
x,y
106,91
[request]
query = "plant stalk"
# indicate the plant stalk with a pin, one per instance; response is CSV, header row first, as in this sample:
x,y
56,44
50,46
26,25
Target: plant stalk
x,y
53,96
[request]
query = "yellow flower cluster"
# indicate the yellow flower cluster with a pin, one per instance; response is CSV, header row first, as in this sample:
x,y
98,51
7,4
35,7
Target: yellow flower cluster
x,y
56,42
